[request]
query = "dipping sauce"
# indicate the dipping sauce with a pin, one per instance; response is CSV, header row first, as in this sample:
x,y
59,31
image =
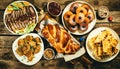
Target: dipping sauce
x,y
49,54
54,8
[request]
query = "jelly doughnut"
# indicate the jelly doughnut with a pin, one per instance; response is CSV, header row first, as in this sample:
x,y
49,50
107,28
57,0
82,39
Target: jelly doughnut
x,y
73,28
86,7
84,25
90,16
73,7
79,18
67,15
72,20
81,10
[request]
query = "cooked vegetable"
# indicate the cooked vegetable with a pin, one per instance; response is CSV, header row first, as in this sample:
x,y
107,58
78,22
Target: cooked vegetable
x,y
28,46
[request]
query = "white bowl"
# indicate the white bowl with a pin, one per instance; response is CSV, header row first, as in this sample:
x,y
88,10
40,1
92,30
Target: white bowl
x,y
53,53
50,12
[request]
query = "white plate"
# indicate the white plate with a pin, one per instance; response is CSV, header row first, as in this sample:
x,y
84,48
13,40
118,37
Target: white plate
x,y
23,59
28,28
96,32
90,26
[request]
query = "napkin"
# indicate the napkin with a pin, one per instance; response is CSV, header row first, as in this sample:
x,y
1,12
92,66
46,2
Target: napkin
x,y
79,53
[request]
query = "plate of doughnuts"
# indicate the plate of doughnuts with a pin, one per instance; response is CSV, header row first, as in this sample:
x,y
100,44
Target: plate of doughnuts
x,y
103,44
79,17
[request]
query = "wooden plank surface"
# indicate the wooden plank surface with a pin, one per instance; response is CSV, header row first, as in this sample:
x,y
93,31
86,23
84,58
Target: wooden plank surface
x,y
114,25
7,58
44,64
112,5
40,4
9,61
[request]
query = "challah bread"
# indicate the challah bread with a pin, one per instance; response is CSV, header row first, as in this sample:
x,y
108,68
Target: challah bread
x,y
60,39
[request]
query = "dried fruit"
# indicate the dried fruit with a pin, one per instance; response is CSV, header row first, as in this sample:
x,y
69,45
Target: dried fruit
x,y
110,18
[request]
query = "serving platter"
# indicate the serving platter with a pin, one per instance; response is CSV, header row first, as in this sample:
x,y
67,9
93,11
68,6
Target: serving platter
x,y
20,17
90,25
94,33
23,59
67,57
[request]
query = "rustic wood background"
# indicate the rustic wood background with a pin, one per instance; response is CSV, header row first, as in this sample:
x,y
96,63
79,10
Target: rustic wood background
x,y
8,60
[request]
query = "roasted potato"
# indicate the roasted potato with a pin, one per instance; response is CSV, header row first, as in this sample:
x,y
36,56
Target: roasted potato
x,y
28,46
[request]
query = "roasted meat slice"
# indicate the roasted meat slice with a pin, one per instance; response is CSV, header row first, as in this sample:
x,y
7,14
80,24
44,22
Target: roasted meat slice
x,y
32,12
19,19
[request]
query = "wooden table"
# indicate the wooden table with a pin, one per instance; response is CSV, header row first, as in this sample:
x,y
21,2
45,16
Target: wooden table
x,y
8,60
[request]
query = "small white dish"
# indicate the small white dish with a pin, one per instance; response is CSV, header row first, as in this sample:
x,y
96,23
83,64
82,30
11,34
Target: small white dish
x,y
49,54
56,7
103,12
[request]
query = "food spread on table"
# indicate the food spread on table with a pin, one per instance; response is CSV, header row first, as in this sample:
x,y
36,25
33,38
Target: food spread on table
x,y
78,18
